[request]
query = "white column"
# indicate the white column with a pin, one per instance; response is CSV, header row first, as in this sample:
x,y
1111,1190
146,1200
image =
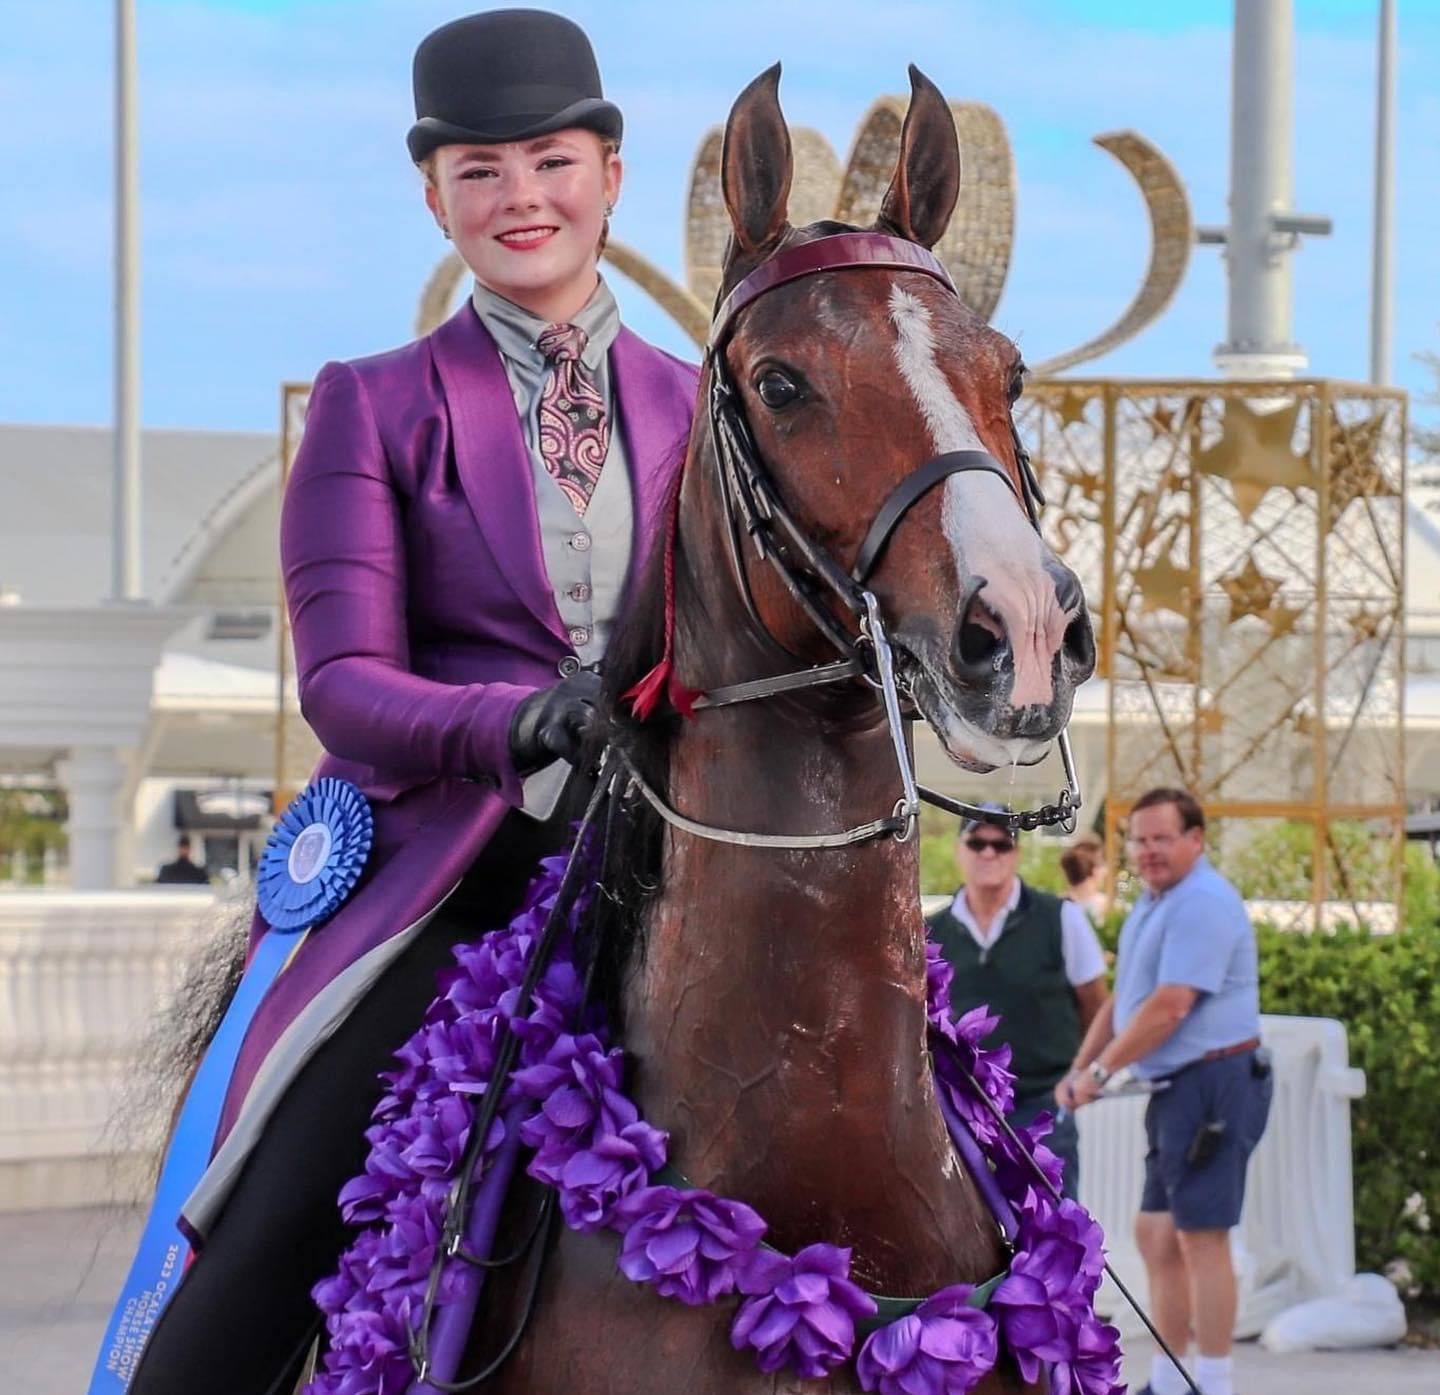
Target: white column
x,y
93,777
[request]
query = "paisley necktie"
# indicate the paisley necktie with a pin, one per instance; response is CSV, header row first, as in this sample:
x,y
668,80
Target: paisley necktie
x,y
574,434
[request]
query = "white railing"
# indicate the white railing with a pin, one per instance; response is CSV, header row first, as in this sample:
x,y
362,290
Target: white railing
x,y
80,975
1296,1238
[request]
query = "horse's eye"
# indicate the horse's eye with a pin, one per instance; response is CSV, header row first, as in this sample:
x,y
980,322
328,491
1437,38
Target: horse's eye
x,y
775,389
1017,386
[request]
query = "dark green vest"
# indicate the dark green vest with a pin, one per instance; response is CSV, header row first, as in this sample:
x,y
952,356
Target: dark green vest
x,y
1020,975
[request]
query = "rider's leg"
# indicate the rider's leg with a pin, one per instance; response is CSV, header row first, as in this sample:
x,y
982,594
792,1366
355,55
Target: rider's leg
x,y
240,1317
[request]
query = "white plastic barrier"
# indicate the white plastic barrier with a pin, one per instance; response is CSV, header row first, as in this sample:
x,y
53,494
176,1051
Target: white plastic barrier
x,y
1296,1238
80,974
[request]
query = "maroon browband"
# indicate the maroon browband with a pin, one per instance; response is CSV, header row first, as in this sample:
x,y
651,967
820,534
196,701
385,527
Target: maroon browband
x,y
825,254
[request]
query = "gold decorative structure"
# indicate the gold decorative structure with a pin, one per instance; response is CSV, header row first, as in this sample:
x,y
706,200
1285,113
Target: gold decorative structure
x,y
297,750
1171,237
975,249
1244,556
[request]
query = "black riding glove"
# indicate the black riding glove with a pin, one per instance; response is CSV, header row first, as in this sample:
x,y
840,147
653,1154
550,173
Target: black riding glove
x,y
552,723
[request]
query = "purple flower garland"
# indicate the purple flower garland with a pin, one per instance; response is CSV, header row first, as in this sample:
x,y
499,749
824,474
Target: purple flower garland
x,y
592,1146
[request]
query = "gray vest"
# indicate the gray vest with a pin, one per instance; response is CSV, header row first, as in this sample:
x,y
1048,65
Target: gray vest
x,y
586,558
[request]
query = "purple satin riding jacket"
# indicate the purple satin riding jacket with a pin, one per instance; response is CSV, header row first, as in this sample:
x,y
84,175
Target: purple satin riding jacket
x,y
422,616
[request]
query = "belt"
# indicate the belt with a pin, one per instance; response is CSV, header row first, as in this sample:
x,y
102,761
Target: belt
x,y
1239,1049
1219,1054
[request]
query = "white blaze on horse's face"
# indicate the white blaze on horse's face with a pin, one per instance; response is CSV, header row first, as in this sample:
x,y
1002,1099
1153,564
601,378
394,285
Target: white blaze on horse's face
x,y
989,535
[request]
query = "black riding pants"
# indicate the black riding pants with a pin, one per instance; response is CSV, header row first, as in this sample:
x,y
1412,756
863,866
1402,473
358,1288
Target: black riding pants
x,y
242,1321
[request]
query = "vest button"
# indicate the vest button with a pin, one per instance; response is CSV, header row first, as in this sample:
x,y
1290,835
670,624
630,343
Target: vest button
x,y
568,667
579,592
579,637
580,542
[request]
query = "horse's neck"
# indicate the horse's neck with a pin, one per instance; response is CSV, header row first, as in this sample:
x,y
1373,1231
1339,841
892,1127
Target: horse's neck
x,y
779,1013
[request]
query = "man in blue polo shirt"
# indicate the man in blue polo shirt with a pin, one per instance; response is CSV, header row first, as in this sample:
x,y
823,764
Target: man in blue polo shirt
x,y
1186,1016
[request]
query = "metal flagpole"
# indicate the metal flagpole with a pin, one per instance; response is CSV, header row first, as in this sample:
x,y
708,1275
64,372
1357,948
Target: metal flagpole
x,y
125,551
1382,264
1264,230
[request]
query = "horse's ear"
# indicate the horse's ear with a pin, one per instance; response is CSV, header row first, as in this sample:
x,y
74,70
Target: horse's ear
x,y
922,194
755,169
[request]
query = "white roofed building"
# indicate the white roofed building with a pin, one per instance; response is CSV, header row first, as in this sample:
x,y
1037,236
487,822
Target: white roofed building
x,y
162,717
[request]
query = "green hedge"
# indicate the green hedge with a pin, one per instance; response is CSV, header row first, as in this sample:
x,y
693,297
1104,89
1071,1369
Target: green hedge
x,y
1386,990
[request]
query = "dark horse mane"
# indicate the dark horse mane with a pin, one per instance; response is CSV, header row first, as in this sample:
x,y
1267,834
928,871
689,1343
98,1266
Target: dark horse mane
x,y
632,832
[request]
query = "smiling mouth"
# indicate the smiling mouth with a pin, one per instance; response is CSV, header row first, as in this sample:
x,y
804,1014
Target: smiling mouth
x,y
522,238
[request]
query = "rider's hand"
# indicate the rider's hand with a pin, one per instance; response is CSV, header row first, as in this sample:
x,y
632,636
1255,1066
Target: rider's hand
x,y
552,723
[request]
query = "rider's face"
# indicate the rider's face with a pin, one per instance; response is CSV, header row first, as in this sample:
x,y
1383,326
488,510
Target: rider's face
x,y
527,217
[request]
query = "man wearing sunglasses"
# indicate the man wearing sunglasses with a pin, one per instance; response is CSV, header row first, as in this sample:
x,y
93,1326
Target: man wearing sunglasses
x,y
1030,957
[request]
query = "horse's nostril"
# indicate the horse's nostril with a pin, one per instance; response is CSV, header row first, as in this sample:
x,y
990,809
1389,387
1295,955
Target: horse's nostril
x,y
1079,642
977,644
980,642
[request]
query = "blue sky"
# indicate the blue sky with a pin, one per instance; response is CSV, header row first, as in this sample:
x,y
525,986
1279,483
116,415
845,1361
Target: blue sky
x,y
283,225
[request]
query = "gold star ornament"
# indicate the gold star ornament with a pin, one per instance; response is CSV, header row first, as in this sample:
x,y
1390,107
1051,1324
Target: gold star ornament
x,y
1164,586
1251,592
1254,453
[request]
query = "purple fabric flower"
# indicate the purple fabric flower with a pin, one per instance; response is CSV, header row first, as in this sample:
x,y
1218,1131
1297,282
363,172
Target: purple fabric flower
x,y
595,1180
802,1311
690,1245
1069,1221
943,1348
1094,1368
1041,1302
1015,1175
959,1051
939,975
589,1139
369,1355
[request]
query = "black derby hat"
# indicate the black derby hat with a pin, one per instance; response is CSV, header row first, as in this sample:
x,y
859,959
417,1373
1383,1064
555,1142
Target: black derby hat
x,y
503,76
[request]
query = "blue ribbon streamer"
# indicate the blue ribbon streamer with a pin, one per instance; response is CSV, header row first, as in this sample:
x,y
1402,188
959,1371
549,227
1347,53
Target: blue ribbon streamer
x,y
311,863
164,1250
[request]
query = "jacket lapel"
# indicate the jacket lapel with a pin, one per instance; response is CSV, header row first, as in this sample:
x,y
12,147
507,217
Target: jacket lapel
x,y
655,418
492,459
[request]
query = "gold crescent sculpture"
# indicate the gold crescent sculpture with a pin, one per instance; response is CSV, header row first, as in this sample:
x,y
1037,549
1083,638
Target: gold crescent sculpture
x,y
975,249
1171,236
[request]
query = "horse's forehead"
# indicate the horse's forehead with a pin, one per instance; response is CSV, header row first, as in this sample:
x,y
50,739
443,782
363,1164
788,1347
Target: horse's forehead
x,y
802,318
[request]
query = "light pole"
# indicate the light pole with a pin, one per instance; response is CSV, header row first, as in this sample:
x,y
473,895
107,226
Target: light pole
x,y
125,548
1382,257
1264,229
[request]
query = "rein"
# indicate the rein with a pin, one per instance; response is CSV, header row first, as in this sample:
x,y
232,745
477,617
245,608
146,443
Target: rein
x,y
750,500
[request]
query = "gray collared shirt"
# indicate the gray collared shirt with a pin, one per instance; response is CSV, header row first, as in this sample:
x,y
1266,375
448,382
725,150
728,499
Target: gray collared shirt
x,y
587,558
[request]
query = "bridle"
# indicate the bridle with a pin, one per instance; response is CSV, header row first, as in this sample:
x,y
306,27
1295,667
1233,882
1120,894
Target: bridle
x,y
751,504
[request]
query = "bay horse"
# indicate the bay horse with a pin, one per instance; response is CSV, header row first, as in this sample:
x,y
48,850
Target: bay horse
x,y
772,1002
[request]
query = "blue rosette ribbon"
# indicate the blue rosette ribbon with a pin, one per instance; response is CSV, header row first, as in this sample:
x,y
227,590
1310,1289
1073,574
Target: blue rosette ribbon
x,y
315,855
